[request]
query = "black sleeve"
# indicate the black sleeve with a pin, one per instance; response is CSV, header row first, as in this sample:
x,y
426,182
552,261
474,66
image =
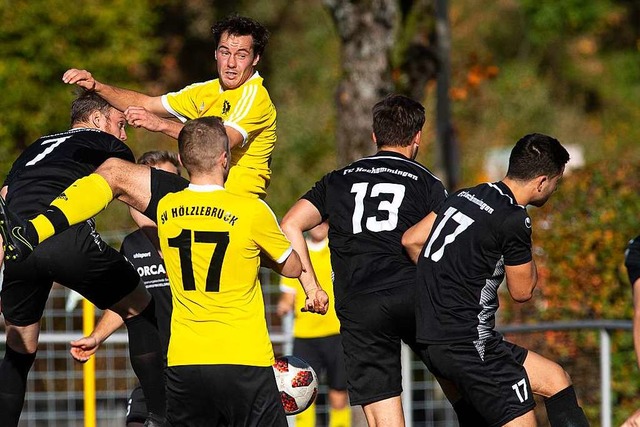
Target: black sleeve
x,y
632,260
516,238
121,150
318,195
438,196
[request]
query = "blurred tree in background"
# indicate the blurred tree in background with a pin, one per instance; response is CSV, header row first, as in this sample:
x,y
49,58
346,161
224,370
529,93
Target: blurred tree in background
x,y
39,40
570,69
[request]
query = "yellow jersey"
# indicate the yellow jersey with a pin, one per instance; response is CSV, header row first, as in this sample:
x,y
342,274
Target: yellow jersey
x,y
211,241
247,109
311,325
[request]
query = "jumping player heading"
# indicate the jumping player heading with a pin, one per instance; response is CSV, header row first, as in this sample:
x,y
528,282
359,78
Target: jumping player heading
x,y
237,96
77,258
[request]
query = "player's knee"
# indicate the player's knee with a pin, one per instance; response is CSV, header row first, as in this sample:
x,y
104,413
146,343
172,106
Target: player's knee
x,y
338,399
22,339
133,303
560,380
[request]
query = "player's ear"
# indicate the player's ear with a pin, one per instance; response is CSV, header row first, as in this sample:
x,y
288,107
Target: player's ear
x,y
541,181
95,118
224,159
256,59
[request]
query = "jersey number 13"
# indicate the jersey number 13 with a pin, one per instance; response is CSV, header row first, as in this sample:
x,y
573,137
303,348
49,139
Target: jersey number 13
x,y
391,207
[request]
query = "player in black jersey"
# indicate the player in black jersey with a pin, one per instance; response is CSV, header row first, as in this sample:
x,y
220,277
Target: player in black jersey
x,y
142,249
369,205
476,238
76,258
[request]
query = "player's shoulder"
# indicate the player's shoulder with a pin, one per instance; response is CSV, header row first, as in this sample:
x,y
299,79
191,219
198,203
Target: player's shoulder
x,y
401,165
86,137
251,92
256,81
499,194
196,89
245,203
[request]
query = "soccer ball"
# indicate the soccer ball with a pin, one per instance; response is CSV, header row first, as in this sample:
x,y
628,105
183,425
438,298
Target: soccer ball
x,y
297,383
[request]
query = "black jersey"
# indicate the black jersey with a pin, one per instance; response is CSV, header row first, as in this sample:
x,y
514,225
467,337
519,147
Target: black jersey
x,y
52,163
139,250
369,205
477,232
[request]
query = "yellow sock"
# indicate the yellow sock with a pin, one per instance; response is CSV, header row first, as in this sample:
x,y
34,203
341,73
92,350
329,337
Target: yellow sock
x,y
340,417
82,200
307,418
43,227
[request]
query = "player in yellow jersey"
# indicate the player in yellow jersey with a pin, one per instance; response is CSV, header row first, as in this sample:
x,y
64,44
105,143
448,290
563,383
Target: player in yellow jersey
x,y
237,95
220,356
317,338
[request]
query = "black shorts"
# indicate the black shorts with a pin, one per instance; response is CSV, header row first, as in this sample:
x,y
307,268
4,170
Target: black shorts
x,y
223,395
496,384
372,327
78,259
324,355
162,183
137,411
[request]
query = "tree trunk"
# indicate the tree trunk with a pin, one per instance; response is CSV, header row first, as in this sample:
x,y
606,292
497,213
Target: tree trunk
x,y
367,30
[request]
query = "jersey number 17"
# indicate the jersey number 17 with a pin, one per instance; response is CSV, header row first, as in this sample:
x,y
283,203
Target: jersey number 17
x,y
184,241
463,222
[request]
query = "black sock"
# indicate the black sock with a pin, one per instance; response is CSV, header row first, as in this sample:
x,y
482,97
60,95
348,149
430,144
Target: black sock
x,y
563,409
57,218
467,414
13,385
146,357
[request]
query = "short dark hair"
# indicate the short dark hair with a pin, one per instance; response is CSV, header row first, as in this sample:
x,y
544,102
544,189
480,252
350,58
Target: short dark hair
x,y
242,26
200,143
396,120
155,157
85,103
536,155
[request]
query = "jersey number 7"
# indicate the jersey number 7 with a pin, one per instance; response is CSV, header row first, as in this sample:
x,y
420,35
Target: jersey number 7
x,y
183,242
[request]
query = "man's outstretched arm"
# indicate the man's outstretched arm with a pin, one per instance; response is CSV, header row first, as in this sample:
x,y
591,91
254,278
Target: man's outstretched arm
x,y
120,98
82,349
302,217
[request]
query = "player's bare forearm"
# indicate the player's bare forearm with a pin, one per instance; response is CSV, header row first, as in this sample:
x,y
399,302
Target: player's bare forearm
x,y
140,117
120,98
83,348
301,217
107,325
415,237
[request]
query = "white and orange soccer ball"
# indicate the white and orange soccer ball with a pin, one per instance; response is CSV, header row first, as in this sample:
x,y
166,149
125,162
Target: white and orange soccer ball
x,y
297,383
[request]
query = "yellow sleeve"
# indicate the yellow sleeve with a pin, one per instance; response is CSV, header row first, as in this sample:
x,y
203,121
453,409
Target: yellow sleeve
x,y
252,112
267,234
184,103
